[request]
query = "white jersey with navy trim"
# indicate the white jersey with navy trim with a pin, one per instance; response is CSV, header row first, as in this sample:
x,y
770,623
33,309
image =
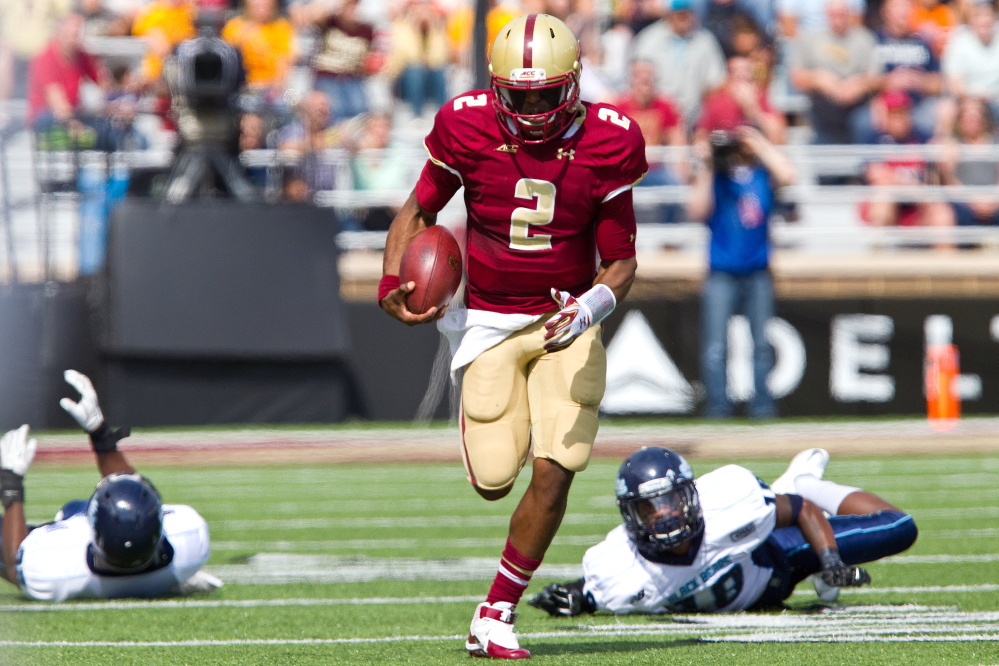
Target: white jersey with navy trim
x,y
739,515
52,560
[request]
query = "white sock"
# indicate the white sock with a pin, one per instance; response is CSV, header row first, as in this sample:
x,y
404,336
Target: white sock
x,y
826,495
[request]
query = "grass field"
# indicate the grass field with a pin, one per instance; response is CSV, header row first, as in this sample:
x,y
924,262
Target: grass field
x,y
359,564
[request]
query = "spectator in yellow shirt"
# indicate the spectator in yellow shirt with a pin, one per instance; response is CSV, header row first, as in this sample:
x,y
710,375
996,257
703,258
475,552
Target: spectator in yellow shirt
x,y
419,55
266,41
164,24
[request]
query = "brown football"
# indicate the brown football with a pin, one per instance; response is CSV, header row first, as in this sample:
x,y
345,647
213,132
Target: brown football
x,y
433,262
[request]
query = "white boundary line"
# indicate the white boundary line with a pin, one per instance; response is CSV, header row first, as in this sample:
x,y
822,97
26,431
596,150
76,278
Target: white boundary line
x,y
167,604
231,603
949,589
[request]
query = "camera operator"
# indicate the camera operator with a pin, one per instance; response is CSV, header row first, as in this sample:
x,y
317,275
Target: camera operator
x,y
737,174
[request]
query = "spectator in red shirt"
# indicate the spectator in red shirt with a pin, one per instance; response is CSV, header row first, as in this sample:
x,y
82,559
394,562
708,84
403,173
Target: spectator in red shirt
x,y
741,101
899,129
661,123
54,79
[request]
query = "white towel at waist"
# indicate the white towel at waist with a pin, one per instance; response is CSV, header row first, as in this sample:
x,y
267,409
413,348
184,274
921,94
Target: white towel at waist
x,y
471,332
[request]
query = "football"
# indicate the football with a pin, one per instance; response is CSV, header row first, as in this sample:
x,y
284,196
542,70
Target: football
x,y
433,261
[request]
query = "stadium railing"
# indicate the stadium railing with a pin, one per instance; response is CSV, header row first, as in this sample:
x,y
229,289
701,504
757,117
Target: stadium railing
x,y
815,230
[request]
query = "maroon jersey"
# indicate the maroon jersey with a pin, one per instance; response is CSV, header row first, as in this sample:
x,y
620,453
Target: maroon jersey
x,y
537,214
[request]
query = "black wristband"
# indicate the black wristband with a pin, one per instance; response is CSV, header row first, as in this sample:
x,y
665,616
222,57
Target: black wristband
x,y
11,488
830,559
105,440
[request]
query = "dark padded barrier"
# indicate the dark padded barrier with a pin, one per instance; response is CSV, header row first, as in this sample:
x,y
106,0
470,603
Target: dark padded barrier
x,y
44,329
392,363
193,392
223,280
222,312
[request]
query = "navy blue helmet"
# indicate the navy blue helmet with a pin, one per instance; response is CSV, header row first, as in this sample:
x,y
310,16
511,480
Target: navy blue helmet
x,y
126,516
658,500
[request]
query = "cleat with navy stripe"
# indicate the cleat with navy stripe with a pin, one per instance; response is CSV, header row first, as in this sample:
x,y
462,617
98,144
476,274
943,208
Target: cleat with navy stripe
x,y
491,633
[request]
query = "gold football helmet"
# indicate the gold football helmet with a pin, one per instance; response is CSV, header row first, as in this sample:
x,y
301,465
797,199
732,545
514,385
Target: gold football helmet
x,y
534,68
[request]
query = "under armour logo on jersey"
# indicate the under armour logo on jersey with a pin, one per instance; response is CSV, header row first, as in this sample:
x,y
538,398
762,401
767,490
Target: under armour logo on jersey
x,y
571,153
507,148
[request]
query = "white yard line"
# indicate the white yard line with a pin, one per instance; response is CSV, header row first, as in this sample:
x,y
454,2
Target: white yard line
x,y
275,568
393,544
949,589
852,625
231,603
941,559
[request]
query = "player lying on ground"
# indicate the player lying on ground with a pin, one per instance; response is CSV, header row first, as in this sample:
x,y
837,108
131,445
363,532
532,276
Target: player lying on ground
x,y
547,181
123,542
727,542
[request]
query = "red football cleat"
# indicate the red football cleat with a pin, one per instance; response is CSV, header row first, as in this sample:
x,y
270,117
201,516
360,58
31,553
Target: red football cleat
x,y
491,633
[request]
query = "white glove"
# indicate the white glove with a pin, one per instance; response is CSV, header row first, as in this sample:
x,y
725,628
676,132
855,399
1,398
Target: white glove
x,y
17,451
86,412
575,315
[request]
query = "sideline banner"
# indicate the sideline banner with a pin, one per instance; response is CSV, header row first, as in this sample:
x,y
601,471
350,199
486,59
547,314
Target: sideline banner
x,y
845,357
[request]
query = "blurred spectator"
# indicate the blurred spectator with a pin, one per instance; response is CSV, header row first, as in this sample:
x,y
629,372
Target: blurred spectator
x,y
721,19
121,108
309,135
615,45
344,58
909,65
899,129
253,136
25,29
934,22
662,125
266,41
971,59
975,126
164,24
101,21
54,80
797,17
734,191
837,69
418,55
380,165
6,74
688,61
741,101
638,14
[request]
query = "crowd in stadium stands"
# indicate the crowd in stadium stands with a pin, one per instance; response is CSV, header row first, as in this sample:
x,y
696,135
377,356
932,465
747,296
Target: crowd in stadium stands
x,y
360,74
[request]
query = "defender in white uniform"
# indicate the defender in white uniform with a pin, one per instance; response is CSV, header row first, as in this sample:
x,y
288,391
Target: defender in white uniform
x,y
726,541
123,542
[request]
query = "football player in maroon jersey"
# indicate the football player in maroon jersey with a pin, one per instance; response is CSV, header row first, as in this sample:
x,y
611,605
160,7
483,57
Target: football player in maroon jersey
x,y
550,253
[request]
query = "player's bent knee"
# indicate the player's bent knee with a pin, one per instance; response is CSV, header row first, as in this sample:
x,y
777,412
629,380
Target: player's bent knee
x,y
494,494
493,456
905,534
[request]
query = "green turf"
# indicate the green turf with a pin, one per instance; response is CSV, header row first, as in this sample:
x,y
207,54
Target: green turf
x,y
428,511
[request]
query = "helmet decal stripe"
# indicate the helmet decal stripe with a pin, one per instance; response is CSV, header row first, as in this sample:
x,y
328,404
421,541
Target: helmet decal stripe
x,y
529,41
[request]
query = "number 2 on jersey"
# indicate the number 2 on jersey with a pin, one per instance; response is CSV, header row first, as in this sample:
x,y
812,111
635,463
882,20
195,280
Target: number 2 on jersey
x,y
522,218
